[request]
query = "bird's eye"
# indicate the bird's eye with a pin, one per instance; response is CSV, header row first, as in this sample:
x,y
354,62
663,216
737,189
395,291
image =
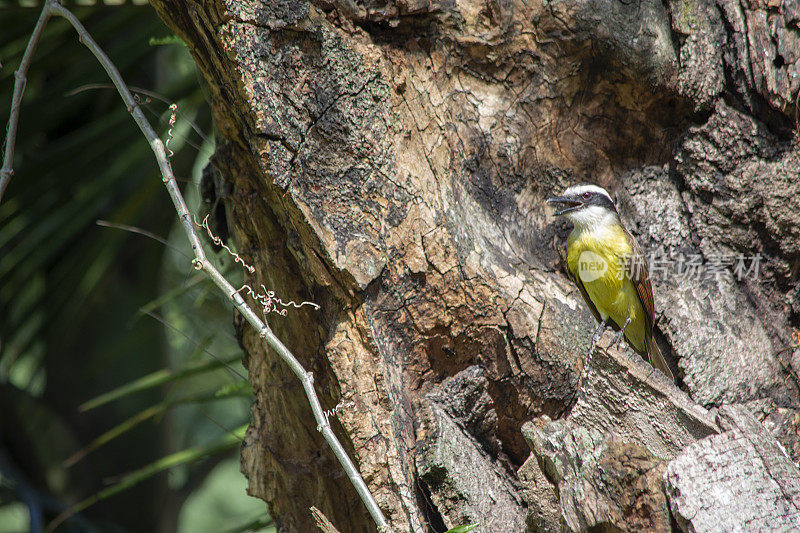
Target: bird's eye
x,y
586,195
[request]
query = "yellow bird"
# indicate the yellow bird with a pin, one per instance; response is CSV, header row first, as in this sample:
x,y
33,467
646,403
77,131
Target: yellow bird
x,y
608,267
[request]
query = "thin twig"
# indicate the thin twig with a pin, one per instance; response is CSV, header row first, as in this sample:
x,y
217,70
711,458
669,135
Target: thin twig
x,y
219,424
201,262
196,343
137,95
145,92
140,231
20,81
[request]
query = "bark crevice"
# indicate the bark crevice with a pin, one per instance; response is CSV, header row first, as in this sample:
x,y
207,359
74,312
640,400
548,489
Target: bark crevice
x,y
390,161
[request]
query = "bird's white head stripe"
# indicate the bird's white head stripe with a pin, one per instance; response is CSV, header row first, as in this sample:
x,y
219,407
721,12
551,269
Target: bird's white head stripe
x,y
587,187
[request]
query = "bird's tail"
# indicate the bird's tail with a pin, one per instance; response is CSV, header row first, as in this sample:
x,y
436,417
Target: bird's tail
x,y
656,359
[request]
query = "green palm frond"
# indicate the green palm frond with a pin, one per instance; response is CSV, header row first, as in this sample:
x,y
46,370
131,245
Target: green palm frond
x,y
132,479
71,291
155,379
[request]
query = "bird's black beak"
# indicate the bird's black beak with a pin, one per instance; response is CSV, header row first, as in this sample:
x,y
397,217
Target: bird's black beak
x,y
570,204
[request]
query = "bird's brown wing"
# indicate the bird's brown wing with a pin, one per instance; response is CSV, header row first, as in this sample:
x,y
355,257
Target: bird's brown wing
x,y
640,277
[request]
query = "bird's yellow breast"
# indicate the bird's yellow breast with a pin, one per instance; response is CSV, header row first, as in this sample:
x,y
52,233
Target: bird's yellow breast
x,y
598,258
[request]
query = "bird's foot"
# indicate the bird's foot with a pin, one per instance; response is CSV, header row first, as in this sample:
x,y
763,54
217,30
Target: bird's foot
x,y
618,340
597,334
621,335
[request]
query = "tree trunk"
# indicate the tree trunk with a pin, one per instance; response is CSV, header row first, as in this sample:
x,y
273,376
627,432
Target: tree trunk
x,y
390,160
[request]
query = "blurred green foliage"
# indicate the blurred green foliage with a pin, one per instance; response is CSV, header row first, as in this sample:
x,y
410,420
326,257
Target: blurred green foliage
x,y
86,309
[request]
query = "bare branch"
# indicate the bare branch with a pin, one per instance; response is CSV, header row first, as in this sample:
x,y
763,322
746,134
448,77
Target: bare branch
x,y
21,80
200,262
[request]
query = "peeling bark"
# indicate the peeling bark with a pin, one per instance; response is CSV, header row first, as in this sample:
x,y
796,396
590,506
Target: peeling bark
x,y
388,160
606,459
740,480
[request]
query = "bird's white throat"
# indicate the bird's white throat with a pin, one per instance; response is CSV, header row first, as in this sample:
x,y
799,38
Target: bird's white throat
x,y
593,218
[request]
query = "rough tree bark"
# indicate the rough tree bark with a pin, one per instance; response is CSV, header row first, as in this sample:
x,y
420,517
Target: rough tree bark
x,y
389,160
